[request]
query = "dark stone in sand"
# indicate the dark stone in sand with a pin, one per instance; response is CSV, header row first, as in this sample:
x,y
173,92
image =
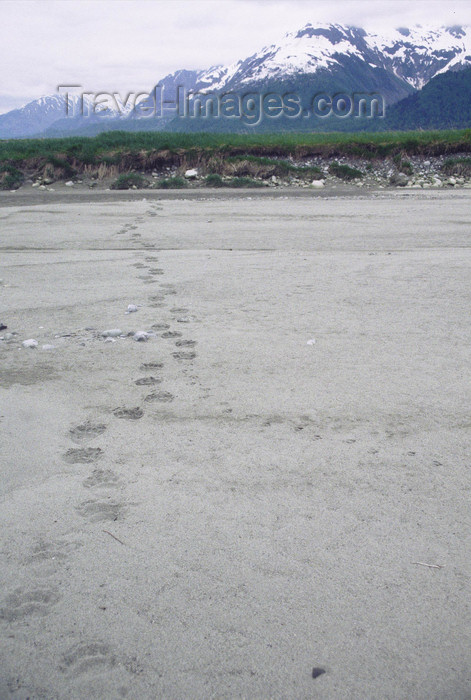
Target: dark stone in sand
x,y
316,672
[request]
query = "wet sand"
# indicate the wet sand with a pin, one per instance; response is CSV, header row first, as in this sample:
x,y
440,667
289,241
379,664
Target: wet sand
x,y
216,511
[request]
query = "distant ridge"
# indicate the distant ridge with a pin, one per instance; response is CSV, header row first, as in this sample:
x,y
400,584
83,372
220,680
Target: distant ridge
x,y
327,58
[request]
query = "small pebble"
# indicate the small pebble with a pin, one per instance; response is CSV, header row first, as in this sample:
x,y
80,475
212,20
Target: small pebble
x,y
30,343
110,340
140,336
132,308
113,333
49,347
311,342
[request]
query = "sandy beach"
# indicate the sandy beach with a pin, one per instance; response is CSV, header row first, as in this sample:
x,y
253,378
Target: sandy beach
x,y
275,481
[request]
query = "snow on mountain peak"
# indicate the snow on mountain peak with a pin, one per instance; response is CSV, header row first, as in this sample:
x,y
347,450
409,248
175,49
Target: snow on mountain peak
x,y
414,54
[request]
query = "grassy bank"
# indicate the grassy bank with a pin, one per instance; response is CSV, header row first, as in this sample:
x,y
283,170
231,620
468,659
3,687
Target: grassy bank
x,y
112,144
260,156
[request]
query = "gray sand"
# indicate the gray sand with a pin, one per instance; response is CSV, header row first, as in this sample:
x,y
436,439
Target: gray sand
x,y
257,509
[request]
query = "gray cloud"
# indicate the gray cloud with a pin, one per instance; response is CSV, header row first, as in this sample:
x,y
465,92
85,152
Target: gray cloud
x,y
129,46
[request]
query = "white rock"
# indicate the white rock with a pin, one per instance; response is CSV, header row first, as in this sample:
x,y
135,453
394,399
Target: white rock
x,y
49,347
312,341
113,333
451,181
191,174
318,184
42,187
110,340
8,336
30,343
141,336
69,183
132,308
35,184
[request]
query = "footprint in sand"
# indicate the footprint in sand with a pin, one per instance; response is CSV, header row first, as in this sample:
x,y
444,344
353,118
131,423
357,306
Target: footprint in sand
x,y
139,265
185,343
83,455
95,655
85,656
172,334
22,603
59,550
147,381
151,365
101,477
162,396
86,431
98,511
151,259
128,413
184,355
179,310
160,326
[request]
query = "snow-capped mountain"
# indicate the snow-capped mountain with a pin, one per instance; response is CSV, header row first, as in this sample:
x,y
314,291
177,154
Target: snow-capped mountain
x,y
327,57
417,55
414,55
38,115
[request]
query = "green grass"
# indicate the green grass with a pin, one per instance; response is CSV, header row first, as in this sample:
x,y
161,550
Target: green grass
x,y
213,180
127,182
62,164
345,172
405,166
172,183
457,166
10,177
365,145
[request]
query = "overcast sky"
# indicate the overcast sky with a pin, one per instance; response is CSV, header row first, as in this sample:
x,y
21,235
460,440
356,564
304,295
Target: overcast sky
x,y
128,45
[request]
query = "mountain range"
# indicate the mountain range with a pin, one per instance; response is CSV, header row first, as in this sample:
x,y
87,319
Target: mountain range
x,y
328,59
